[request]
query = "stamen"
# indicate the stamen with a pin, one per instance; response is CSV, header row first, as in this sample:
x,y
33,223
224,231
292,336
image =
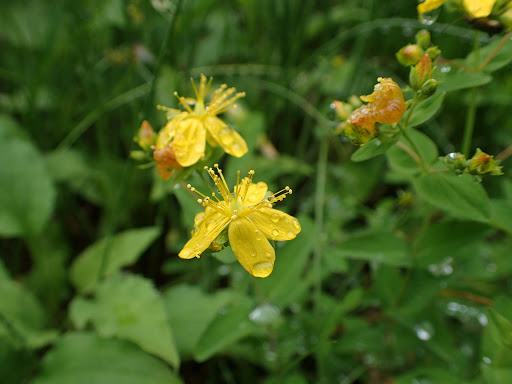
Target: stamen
x,y
237,186
247,184
183,101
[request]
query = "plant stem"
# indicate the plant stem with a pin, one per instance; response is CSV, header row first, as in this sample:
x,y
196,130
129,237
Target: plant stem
x,y
318,249
470,124
416,150
319,215
470,116
495,50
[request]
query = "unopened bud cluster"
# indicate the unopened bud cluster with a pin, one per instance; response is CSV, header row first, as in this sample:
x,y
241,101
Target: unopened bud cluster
x,y
480,164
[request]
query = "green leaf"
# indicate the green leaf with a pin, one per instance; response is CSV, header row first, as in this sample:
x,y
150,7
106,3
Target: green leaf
x,y
502,58
460,195
496,346
496,375
24,319
384,248
400,160
28,195
501,216
229,326
190,310
128,307
85,358
447,239
426,109
460,79
373,148
116,252
281,286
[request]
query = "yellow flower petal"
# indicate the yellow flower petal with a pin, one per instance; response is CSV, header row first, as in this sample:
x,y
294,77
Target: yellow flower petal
x,y
165,135
209,228
189,141
230,141
251,248
255,193
430,5
274,224
479,8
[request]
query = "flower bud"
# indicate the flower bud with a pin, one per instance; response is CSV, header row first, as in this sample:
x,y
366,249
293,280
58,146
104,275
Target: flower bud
x,y
433,52
423,39
409,55
146,136
506,19
482,163
343,110
456,161
428,88
420,73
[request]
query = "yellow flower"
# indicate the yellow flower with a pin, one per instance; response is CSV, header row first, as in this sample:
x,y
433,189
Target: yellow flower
x,y
478,8
250,220
430,5
475,8
187,131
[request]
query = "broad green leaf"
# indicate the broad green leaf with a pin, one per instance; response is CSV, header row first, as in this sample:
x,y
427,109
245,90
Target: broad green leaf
x,y
496,348
373,148
402,161
128,307
460,195
496,375
111,254
281,286
24,319
384,248
85,358
447,240
425,109
27,195
230,325
460,79
502,58
190,310
501,216
332,319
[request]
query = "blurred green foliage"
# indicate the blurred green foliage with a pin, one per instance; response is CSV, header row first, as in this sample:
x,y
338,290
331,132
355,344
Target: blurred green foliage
x,y
397,276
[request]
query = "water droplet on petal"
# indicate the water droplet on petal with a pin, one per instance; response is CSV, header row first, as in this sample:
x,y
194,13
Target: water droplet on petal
x,y
253,254
275,232
290,234
275,217
296,224
225,136
429,18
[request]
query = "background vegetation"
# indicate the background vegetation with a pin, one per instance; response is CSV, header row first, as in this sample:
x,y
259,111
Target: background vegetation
x,y
381,286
